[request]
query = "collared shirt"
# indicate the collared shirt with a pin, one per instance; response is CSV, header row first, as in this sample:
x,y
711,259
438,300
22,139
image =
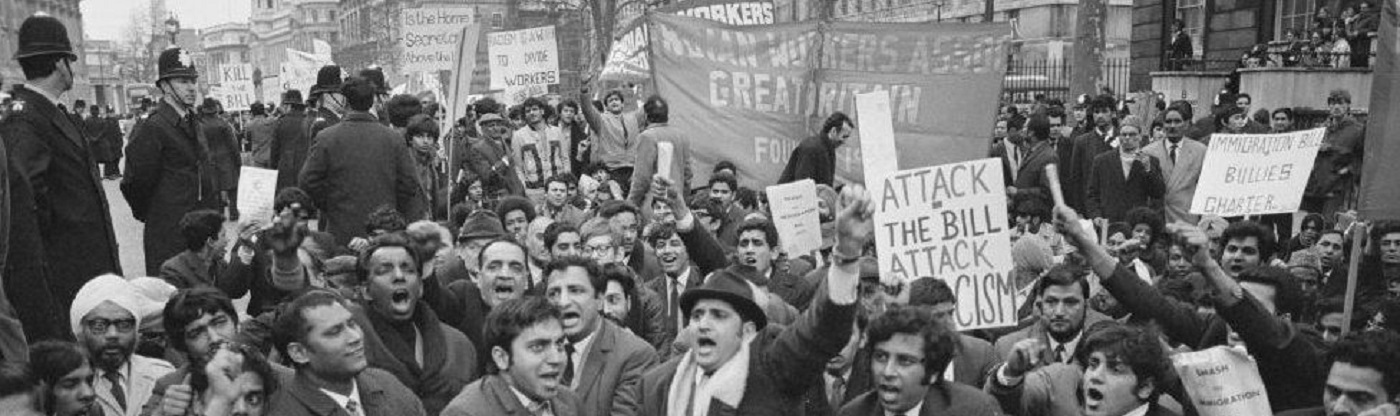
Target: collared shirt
x,y
672,298
53,99
1068,346
831,378
1139,411
580,352
1126,160
913,411
344,400
536,408
101,383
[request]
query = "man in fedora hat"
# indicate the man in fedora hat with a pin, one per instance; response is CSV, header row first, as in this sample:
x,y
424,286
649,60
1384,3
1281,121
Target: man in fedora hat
x,y
375,75
739,365
64,225
326,96
289,140
169,171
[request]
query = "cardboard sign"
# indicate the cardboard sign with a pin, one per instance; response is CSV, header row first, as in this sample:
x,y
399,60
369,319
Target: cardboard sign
x,y
256,189
431,36
1222,381
298,72
236,90
796,216
524,57
876,134
1253,174
665,153
950,222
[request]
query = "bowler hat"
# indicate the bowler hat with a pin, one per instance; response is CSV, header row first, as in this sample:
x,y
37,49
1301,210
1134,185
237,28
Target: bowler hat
x,y
292,97
375,75
42,34
726,286
175,63
209,106
481,224
327,80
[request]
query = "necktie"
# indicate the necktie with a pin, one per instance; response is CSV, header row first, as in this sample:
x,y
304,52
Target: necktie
x,y
568,378
353,408
1173,152
117,391
1060,353
837,392
676,304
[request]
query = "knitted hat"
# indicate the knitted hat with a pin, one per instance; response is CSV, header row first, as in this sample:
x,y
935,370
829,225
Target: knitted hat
x,y
481,224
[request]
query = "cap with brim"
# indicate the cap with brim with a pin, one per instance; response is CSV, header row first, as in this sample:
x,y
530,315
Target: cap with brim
x,y
725,286
490,117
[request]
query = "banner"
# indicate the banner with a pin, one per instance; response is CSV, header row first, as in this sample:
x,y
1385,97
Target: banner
x,y
524,57
774,85
795,216
950,222
1253,174
236,90
1380,192
1222,381
627,58
431,36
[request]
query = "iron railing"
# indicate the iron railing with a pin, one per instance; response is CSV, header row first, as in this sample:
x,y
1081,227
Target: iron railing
x,y
1026,79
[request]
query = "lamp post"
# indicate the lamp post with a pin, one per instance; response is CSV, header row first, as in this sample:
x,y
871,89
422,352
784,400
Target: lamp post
x,y
172,28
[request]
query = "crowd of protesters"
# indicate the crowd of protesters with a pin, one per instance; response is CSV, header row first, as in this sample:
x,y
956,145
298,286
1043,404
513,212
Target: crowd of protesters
x,y
536,259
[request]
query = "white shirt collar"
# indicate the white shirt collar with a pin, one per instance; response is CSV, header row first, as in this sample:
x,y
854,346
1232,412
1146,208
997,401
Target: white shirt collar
x,y
531,405
913,411
53,99
1139,411
344,400
581,352
1069,346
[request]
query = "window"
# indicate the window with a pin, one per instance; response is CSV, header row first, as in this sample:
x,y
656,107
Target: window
x,y
1294,15
1193,14
498,21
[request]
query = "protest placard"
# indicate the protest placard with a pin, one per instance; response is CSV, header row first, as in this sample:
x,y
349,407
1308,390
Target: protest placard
x,y
256,189
298,72
1253,174
795,215
1222,381
523,57
236,90
950,222
665,155
432,35
876,134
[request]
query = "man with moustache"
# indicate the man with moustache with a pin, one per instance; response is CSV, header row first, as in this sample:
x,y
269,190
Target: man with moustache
x,y
195,320
105,315
526,341
602,358
325,344
1181,162
431,358
502,275
909,351
1061,300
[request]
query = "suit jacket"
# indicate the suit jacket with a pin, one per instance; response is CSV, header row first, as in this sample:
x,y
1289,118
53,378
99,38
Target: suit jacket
x,y
615,362
671,308
1031,179
355,167
380,393
815,159
472,320
51,155
1011,160
858,382
975,362
1180,176
144,374
1053,390
289,146
168,174
492,396
1076,172
785,363
223,149
707,257
1111,195
942,398
449,358
1038,330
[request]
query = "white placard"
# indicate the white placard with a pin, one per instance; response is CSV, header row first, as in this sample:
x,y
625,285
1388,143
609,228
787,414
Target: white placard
x,y
949,222
236,90
796,216
257,188
665,153
298,72
517,94
431,36
1253,174
876,134
524,57
1222,381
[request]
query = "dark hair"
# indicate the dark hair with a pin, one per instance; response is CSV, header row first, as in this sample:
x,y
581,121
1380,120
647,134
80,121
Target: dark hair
x,y
188,305
1145,215
564,178
1222,117
611,93
514,203
929,291
726,179
1039,127
567,104
1288,296
656,109
422,125
940,342
253,361
623,275
1245,96
746,197
1326,306
1377,350
1181,107
1102,102
198,226
51,360
359,93
401,107
16,379
660,231
485,106
390,240
835,121
770,232
385,218
36,67
724,164
595,272
1064,274
257,108
533,102
1138,347
293,195
1246,229
554,230
481,258
610,209
512,317
291,325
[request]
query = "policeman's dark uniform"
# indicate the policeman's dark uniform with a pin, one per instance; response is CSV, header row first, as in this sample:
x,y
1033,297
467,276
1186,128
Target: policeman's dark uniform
x,y
169,171
327,81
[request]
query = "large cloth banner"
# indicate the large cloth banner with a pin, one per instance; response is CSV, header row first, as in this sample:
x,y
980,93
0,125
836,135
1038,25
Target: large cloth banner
x,y
431,36
1254,174
628,60
524,57
1222,381
1380,192
757,91
236,90
950,222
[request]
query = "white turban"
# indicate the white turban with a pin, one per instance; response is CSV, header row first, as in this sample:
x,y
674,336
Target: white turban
x,y
105,288
154,294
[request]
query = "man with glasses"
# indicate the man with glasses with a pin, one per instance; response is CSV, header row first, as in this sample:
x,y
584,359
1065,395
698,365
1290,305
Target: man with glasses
x,y
1125,179
104,317
487,159
1181,163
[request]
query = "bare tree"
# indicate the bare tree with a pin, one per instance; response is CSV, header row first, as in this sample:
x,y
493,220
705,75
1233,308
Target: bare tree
x,y
139,40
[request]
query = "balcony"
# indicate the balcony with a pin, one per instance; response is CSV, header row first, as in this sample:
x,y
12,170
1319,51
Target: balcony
x,y
1275,75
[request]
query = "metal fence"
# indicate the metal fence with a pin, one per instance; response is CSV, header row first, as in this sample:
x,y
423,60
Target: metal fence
x,y
1026,79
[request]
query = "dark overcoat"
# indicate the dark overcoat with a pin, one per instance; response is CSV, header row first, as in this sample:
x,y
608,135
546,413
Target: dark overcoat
x,y
168,174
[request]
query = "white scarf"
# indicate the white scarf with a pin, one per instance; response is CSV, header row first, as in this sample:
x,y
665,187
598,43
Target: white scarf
x,y
727,384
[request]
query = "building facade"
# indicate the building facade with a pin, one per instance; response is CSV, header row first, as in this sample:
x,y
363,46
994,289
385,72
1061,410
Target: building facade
x,y
278,25
12,15
105,86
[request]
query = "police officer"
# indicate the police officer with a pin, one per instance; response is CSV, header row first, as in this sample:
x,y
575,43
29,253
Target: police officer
x,y
169,171
330,104
61,231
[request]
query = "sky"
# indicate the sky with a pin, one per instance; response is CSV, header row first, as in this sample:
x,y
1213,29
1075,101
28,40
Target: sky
x,y
105,19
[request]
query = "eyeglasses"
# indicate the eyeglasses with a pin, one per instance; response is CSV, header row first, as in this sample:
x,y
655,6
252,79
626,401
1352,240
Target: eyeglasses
x,y
1173,121
100,326
590,250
